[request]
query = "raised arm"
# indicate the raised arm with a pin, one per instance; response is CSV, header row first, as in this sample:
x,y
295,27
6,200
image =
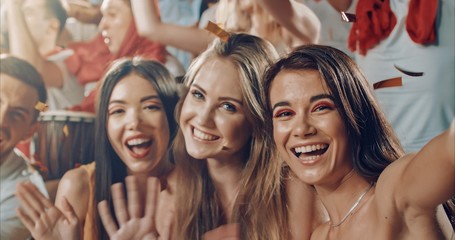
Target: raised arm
x,y
83,11
22,45
340,5
296,17
149,25
428,179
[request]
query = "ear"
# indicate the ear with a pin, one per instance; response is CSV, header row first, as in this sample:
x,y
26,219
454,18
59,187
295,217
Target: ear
x,y
33,128
54,25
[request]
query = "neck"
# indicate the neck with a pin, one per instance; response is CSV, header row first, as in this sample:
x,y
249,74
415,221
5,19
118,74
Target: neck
x,y
226,177
339,199
47,46
164,167
5,156
160,171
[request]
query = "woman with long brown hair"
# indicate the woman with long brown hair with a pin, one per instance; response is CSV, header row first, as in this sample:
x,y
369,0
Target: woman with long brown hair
x,y
331,132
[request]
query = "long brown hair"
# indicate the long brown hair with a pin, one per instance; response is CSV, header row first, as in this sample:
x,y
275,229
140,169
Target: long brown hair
x,y
199,210
374,144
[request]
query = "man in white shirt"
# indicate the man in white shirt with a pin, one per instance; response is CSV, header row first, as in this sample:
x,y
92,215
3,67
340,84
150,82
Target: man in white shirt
x,y
34,27
21,90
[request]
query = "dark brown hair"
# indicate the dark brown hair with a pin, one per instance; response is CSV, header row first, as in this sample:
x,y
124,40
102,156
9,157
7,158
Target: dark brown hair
x,y
110,168
374,144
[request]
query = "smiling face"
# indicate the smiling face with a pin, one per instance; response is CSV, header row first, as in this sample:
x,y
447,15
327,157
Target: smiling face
x,y
17,112
114,25
307,127
136,125
213,117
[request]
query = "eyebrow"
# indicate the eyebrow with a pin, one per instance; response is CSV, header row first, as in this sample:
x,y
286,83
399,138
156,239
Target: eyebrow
x,y
146,98
280,104
22,109
220,98
199,87
312,99
321,96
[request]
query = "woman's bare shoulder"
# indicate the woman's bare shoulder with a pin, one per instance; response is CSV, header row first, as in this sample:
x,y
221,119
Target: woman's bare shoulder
x,y
76,179
393,172
74,186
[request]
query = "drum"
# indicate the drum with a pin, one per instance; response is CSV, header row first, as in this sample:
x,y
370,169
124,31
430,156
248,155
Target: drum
x,y
64,140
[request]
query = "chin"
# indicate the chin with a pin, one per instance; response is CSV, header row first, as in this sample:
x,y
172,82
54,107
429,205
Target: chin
x,y
140,170
201,153
197,155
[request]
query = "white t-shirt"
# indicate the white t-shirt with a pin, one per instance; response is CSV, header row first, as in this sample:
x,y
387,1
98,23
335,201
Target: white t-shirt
x,y
334,31
13,170
424,106
72,91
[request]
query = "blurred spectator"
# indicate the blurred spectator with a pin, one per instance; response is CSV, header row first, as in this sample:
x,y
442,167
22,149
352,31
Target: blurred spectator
x,y
183,13
413,45
34,27
21,89
334,31
83,19
286,24
118,38
289,25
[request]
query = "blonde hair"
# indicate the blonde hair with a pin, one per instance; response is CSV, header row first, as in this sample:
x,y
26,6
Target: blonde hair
x,y
260,186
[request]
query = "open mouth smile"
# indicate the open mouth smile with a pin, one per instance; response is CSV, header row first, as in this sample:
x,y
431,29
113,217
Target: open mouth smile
x,y
310,152
139,147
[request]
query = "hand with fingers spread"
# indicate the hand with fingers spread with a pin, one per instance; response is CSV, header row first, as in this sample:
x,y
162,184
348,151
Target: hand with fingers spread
x,y
135,221
42,218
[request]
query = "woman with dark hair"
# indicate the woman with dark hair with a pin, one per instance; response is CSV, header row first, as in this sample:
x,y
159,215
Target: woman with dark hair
x,y
328,128
134,129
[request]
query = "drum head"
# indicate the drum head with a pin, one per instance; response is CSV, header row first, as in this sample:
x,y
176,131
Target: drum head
x,y
70,116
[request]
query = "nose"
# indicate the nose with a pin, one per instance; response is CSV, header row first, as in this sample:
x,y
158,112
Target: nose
x,y
3,116
133,120
304,127
5,125
205,116
102,25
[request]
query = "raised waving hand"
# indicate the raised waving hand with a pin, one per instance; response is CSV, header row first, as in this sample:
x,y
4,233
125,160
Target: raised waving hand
x,y
136,218
42,218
